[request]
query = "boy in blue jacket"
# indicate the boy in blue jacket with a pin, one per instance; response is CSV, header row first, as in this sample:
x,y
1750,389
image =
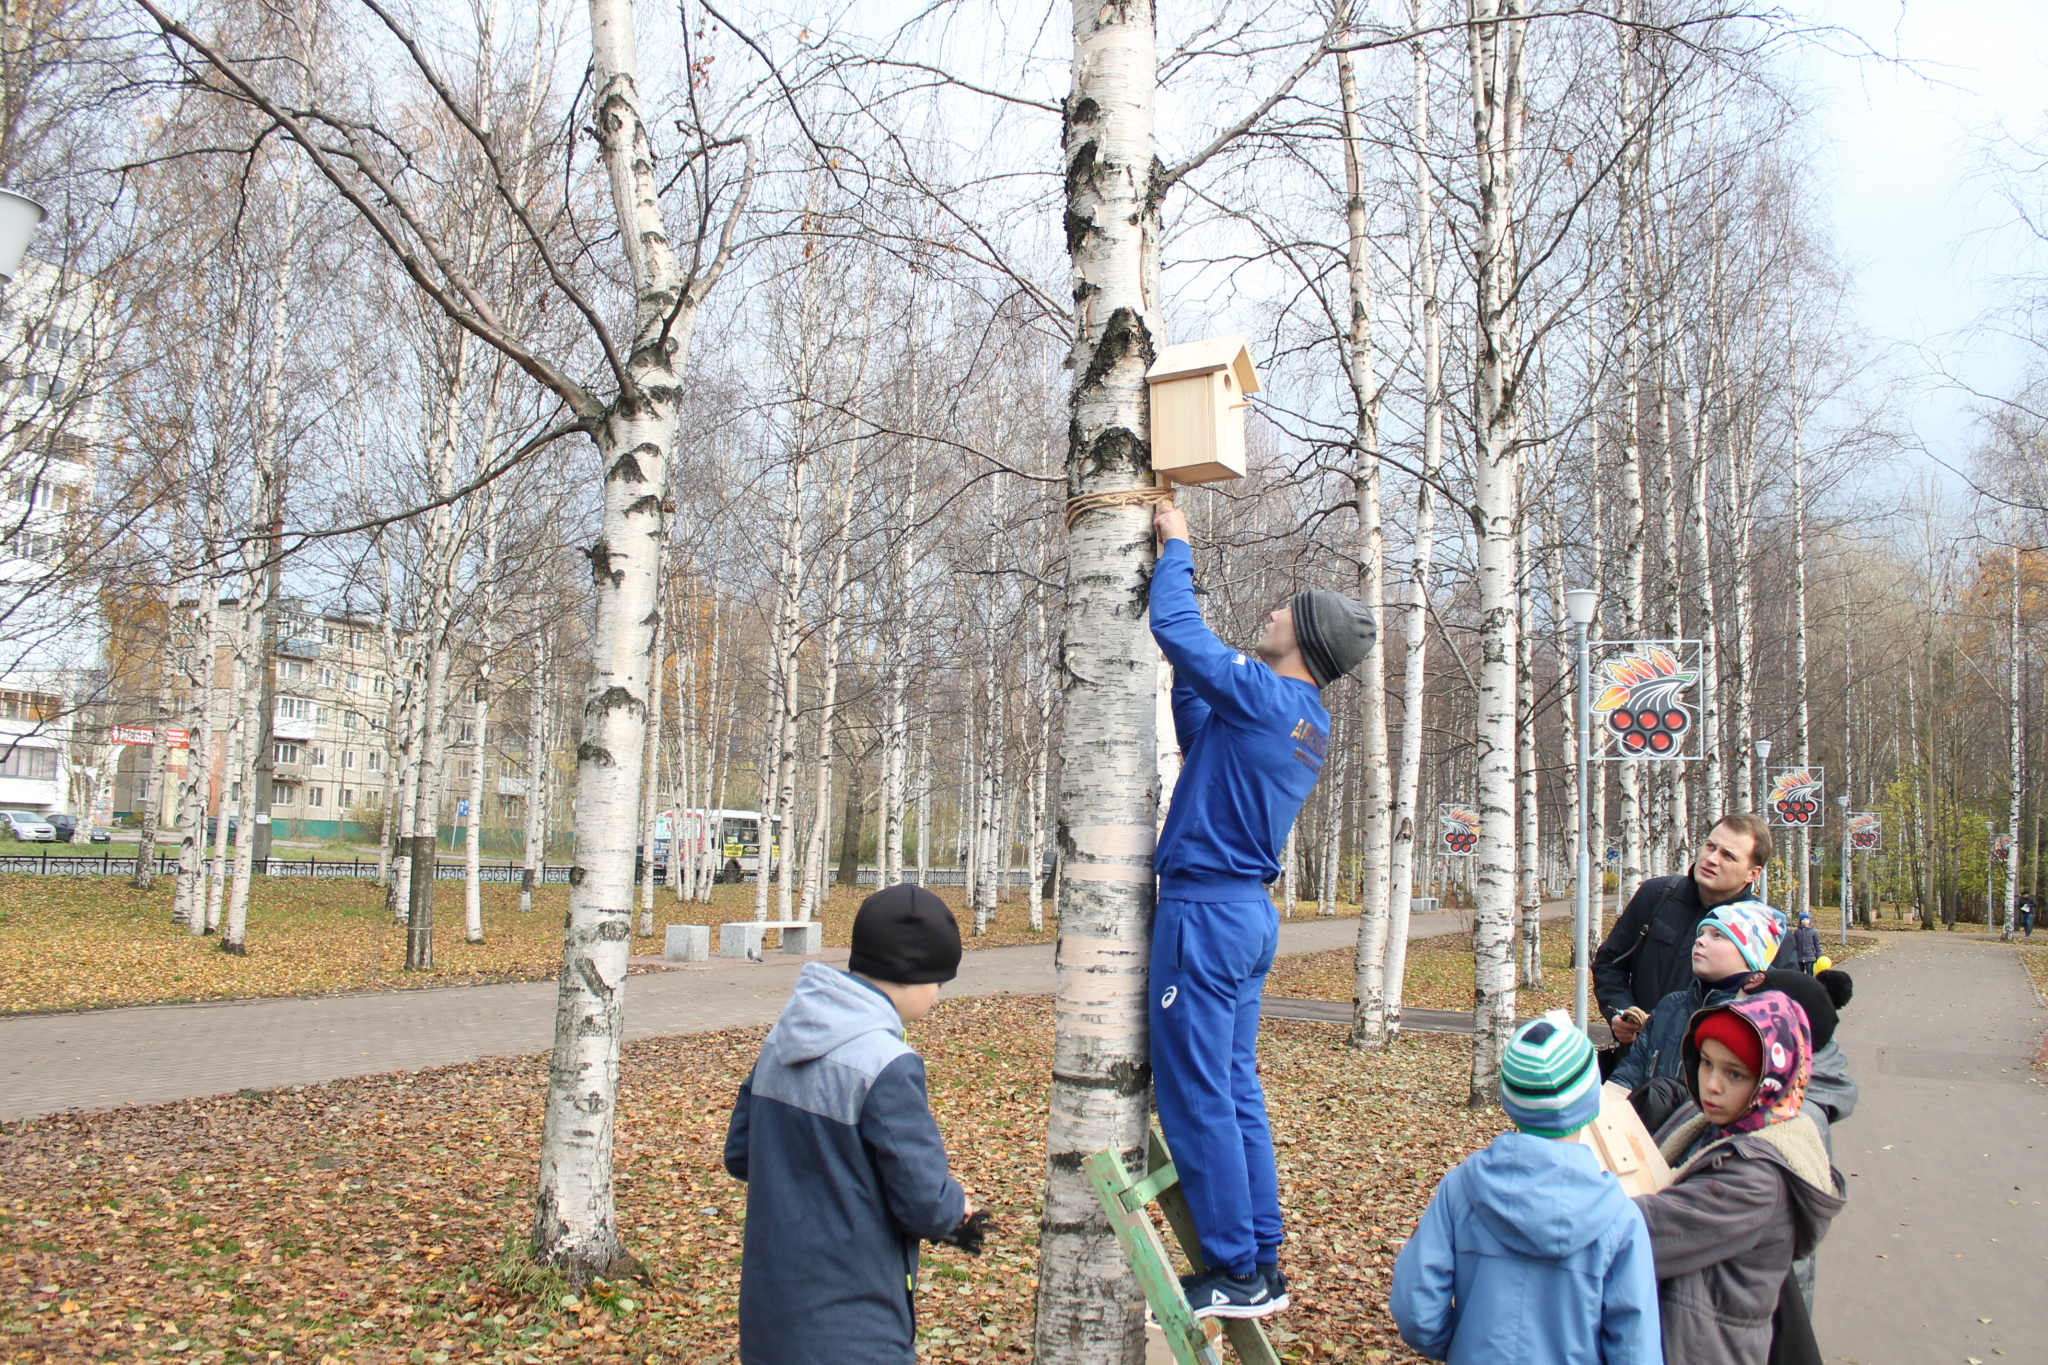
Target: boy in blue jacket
x,y
846,1173
1252,732
1528,1251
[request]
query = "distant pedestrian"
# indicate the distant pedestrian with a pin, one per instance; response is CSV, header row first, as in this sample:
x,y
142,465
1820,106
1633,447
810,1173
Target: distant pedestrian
x,y
1806,943
2026,909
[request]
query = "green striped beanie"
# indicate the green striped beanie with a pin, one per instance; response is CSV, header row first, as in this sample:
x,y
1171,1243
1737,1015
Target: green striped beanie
x,y
1549,1083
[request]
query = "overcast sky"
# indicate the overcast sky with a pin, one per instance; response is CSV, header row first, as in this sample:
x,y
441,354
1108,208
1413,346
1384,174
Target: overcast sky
x,y
1900,148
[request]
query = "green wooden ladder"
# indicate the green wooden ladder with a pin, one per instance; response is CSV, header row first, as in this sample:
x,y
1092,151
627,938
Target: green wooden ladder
x,y
1124,1200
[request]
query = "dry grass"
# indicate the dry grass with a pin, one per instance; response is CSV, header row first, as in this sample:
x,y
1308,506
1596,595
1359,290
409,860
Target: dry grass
x,y
370,1220
92,942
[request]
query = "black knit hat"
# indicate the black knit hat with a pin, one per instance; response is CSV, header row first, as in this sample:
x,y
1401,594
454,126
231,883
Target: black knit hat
x,y
1334,633
1809,993
906,935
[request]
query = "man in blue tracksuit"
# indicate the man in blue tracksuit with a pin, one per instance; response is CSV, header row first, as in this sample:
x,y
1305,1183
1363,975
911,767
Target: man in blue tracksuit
x,y
1252,732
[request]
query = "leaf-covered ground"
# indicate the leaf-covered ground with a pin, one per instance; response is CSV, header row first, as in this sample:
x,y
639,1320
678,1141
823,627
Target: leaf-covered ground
x,y
370,1220
89,942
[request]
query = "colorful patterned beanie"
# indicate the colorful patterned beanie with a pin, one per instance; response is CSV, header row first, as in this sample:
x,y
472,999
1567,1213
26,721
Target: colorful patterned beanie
x,y
1549,1080
1753,927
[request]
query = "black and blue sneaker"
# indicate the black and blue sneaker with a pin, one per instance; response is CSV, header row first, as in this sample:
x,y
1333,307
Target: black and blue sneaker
x,y
1220,1294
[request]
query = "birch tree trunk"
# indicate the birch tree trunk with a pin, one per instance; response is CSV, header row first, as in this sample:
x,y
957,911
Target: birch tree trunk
x,y
1529,830
1632,812
575,1224
1089,1311
650,798
480,722
1405,821
535,858
199,783
815,890
1041,754
924,794
1361,371
1495,39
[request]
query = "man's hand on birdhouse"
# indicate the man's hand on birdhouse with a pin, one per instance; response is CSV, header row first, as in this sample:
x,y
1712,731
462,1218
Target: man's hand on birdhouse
x,y
1169,523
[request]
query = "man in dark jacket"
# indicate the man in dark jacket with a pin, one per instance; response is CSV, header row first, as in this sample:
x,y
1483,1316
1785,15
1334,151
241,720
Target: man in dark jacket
x,y
845,1169
1649,953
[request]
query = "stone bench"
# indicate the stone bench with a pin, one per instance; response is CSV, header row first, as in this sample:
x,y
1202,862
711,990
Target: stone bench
x,y
744,938
1423,905
687,943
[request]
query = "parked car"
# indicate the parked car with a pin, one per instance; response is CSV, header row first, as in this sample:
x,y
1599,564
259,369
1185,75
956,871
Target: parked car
x,y
28,826
66,826
213,824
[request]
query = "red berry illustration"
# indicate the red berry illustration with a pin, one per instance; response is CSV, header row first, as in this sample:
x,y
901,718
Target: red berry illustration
x,y
1640,703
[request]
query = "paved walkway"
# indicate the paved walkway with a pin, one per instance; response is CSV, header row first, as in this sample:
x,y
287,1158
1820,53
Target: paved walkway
x,y
102,1059
1946,1159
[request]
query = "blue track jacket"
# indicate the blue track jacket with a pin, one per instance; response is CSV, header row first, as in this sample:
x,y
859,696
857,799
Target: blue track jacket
x,y
845,1174
1530,1253
1251,742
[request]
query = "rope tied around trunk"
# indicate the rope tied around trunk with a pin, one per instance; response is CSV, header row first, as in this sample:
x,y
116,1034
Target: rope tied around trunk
x,y
1116,497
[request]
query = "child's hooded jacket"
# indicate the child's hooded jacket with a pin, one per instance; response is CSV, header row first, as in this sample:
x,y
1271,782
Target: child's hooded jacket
x,y
845,1174
1528,1252
1747,1200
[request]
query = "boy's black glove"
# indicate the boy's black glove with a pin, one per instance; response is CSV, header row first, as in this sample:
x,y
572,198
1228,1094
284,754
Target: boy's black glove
x,y
971,1233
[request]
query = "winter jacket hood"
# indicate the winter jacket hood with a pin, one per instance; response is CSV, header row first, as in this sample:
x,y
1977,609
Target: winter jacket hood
x,y
1529,1252
1817,1190
1539,1199
828,1010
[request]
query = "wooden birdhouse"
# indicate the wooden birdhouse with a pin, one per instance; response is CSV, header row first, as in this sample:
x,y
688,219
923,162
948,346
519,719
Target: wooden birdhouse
x,y
1199,393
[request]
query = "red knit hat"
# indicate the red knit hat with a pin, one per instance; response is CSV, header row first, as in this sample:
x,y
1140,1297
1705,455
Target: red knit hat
x,y
1736,1034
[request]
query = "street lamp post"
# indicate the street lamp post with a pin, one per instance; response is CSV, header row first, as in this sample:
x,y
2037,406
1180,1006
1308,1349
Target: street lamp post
x,y
1848,873
1580,604
1763,792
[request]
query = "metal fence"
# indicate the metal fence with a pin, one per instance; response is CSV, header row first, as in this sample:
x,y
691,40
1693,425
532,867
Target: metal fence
x,y
122,865
110,863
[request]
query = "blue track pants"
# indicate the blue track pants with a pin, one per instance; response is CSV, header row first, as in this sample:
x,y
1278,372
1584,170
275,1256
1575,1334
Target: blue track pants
x,y
1209,961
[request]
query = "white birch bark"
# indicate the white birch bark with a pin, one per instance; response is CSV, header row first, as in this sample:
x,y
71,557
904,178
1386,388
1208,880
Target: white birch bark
x,y
1406,822
815,849
1529,830
1041,753
1633,622
1495,43
1089,1311
575,1223
1362,374
1801,900
535,859
650,798
924,795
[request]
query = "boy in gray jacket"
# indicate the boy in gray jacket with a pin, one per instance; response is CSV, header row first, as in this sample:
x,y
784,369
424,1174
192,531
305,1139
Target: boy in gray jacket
x,y
846,1173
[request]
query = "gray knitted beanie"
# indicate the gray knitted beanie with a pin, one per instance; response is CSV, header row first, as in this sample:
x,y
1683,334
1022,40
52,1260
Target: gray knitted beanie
x,y
1334,633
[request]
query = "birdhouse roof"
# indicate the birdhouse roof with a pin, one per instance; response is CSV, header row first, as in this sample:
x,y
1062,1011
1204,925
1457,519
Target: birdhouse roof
x,y
1203,357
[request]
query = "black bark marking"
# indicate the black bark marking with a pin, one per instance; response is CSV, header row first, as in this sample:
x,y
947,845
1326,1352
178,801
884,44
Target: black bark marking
x,y
627,467
586,969
601,570
1124,1078
648,503
607,701
1116,450
576,876
1124,333
589,752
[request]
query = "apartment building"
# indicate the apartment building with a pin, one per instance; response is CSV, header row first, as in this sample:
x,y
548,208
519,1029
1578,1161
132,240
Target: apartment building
x,y
53,644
